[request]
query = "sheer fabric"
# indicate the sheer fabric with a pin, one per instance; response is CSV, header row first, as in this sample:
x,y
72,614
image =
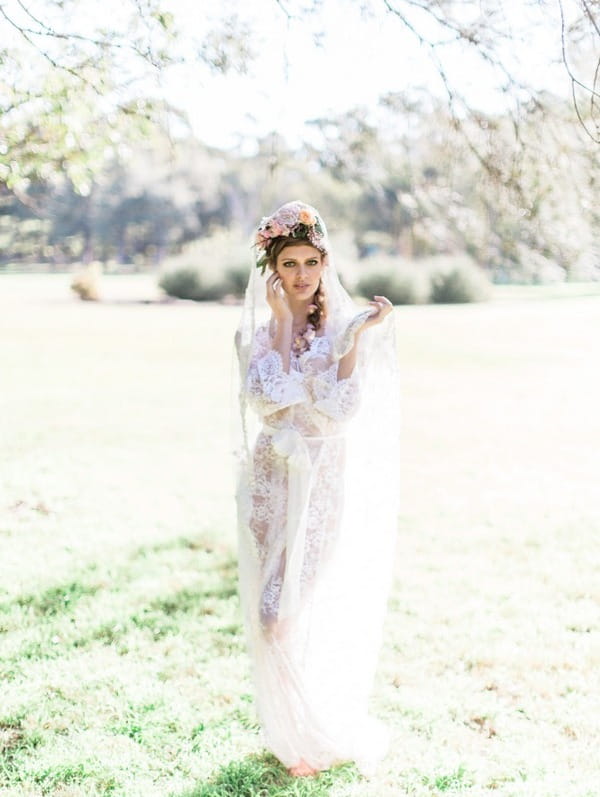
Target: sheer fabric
x,y
317,510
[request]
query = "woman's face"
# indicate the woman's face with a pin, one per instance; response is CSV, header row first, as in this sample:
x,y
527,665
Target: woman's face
x,y
300,268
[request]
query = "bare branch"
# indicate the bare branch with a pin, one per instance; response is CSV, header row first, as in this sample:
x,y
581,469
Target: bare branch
x,y
32,17
454,98
284,9
24,33
593,108
590,16
47,31
574,81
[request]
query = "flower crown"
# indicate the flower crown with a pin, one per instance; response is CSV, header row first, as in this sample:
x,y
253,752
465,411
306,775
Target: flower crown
x,y
293,220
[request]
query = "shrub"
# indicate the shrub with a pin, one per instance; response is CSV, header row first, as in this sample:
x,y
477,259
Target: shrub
x,y
402,281
211,268
235,281
85,282
465,282
186,283
401,288
440,279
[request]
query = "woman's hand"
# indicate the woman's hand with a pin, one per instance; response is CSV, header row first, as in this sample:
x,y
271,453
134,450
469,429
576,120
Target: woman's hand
x,y
381,307
276,298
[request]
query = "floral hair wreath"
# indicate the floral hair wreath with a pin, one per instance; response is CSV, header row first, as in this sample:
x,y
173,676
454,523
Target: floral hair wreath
x,y
293,220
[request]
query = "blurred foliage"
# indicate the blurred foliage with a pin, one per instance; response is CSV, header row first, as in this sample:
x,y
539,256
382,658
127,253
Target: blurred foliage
x,y
400,288
67,92
75,87
213,267
405,187
439,279
186,283
189,283
85,282
463,283
89,171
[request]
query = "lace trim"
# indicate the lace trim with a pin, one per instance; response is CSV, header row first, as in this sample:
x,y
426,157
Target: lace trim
x,y
281,387
269,604
345,341
269,388
337,398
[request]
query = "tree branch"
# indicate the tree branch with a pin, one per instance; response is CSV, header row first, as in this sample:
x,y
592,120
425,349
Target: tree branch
x,y
24,33
574,81
493,171
46,30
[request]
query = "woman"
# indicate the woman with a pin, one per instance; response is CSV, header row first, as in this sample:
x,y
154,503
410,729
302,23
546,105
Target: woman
x,y
317,495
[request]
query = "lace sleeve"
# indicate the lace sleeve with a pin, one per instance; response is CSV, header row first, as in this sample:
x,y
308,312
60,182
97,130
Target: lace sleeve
x,y
337,398
344,342
269,388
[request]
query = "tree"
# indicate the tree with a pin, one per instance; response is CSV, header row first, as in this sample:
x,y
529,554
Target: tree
x,y
421,188
75,81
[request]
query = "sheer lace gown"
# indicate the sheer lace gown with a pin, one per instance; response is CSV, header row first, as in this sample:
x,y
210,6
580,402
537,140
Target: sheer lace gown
x,y
313,591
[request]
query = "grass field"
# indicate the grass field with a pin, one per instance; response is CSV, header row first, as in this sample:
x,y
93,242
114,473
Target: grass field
x,y
122,663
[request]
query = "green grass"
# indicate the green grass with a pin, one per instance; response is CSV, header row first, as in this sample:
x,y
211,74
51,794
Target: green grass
x,y
59,599
123,668
262,775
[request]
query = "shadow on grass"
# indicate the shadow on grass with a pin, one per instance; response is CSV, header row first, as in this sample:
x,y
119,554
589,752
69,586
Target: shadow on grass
x,y
59,599
264,776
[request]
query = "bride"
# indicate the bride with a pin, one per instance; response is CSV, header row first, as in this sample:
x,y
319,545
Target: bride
x,y
317,495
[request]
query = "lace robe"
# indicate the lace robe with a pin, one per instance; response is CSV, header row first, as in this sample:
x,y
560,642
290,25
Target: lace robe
x,y
313,633
299,460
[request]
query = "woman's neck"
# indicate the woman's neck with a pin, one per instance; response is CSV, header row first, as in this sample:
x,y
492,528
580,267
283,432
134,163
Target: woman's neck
x,y
299,311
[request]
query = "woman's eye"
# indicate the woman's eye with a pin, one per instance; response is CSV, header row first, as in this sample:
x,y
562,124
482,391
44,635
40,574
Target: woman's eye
x,y
289,263
311,262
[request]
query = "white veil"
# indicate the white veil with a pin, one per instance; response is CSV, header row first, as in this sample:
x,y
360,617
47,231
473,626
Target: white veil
x,y
361,577
380,396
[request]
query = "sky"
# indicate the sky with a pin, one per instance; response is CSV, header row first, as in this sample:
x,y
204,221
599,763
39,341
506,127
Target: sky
x,y
359,58
348,54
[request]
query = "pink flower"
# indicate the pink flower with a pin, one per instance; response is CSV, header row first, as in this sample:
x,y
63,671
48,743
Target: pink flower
x,y
306,217
287,216
276,229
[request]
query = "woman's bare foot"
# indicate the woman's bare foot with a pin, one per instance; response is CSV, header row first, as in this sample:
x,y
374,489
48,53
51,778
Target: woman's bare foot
x,y
302,770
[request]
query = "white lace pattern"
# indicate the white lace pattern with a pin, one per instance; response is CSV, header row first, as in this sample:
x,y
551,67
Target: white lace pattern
x,y
317,512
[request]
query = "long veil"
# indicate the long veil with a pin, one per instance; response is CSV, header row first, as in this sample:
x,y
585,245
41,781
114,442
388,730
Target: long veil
x,y
321,676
